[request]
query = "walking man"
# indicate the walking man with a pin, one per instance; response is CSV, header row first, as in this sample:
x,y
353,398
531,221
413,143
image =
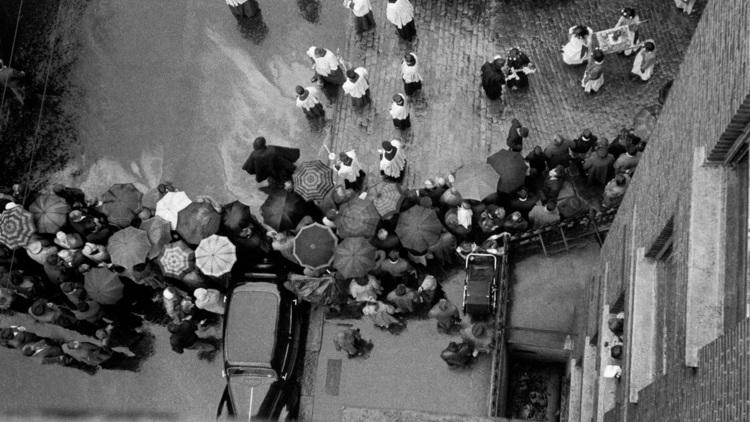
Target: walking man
x,y
363,17
410,74
400,112
401,14
357,86
308,99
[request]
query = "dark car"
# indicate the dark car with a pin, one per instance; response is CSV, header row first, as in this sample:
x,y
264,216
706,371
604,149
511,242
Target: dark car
x,y
263,336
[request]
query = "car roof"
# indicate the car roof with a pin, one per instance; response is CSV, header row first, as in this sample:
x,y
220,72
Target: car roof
x,y
251,324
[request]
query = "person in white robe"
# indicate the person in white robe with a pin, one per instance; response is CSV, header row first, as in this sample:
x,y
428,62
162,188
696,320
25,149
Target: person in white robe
x,y
401,14
400,112
392,160
576,51
326,65
357,86
645,61
350,170
629,17
308,99
363,17
410,74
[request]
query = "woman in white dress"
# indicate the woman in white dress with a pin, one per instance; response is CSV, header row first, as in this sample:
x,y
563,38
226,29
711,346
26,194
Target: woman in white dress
x,y
576,51
645,60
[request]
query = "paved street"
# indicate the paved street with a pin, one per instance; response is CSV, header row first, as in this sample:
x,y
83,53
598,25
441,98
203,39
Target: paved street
x,y
453,123
402,372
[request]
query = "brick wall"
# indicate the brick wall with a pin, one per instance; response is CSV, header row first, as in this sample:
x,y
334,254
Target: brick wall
x,y
718,390
713,81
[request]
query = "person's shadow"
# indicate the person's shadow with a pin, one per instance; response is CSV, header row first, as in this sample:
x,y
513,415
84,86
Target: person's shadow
x,y
309,9
253,28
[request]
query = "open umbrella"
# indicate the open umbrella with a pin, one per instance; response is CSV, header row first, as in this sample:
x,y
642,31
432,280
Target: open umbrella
x,y
358,217
159,233
354,257
170,204
476,181
312,180
129,247
283,210
215,255
50,213
16,227
418,228
103,285
235,217
121,204
314,246
176,260
511,167
197,221
387,198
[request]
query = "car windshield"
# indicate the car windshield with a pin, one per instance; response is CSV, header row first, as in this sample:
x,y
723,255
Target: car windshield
x,y
249,390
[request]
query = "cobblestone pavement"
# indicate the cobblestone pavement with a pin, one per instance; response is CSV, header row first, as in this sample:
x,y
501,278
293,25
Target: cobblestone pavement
x,y
453,123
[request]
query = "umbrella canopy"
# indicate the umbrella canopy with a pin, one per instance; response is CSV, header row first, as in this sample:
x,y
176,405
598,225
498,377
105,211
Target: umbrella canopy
x,y
121,204
283,210
235,217
312,180
511,167
418,228
103,285
354,257
129,247
314,246
476,181
387,198
50,213
197,221
215,255
358,217
159,233
170,205
176,260
16,227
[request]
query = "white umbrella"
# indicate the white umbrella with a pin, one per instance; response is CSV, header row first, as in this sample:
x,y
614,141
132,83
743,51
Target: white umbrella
x,y
171,204
215,255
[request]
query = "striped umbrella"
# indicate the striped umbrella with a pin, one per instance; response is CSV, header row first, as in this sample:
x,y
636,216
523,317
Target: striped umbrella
x,y
50,213
314,246
354,257
121,204
170,205
16,227
312,180
358,217
215,255
129,247
197,221
176,260
386,197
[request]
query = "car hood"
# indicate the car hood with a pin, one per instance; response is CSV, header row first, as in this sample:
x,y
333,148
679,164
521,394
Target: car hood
x,y
248,394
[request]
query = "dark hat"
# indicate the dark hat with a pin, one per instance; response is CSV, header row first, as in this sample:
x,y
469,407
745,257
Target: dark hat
x,y
362,281
478,330
259,143
400,290
410,58
320,51
397,98
351,74
38,308
388,146
343,156
27,350
299,90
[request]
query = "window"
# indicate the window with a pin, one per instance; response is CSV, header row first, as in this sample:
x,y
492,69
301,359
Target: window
x,y
666,276
736,291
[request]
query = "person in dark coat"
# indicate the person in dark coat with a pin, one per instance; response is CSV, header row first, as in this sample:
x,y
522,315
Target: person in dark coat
x,y
523,202
493,78
458,355
618,146
242,9
183,337
557,152
553,183
537,162
598,167
516,135
386,240
271,162
519,67
582,147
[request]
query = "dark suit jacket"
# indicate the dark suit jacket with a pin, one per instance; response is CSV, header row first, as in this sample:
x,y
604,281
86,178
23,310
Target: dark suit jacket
x,y
514,141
